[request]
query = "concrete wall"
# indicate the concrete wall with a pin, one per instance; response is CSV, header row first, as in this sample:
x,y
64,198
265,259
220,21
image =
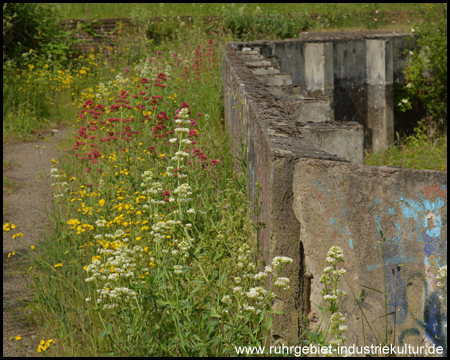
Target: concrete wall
x,y
316,193
346,205
356,71
273,146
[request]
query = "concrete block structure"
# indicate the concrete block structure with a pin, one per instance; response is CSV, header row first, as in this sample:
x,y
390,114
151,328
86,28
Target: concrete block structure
x,y
307,154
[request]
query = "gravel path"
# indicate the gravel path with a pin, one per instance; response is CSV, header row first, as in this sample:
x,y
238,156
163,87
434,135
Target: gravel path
x,y
26,206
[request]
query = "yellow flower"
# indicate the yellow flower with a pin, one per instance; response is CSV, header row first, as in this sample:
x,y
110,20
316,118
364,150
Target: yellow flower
x,y
18,338
7,225
32,247
17,235
58,265
102,202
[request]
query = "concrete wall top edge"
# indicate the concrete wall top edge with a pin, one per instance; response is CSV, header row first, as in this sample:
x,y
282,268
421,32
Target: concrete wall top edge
x,y
327,36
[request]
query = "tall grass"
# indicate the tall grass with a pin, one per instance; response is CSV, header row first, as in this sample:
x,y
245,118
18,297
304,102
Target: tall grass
x,y
186,278
111,10
418,151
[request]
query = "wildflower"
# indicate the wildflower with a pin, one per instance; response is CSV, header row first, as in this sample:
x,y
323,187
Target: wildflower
x,y
58,265
226,299
260,276
282,282
178,269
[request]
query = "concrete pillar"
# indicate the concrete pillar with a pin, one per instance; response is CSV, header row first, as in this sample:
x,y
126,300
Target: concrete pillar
x,y
380,94
319,70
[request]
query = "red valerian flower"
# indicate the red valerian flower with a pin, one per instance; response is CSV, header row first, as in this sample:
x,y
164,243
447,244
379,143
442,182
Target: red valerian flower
x,y
214,161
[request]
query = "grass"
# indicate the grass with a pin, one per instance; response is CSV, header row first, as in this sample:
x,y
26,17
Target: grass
x,y
111,10
417,151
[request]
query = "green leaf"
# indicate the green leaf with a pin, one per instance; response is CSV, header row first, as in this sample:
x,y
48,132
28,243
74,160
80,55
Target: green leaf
x,y
381,292
214,313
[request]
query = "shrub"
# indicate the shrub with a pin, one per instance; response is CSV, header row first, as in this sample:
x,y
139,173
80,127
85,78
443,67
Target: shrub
x,y
250,26
33,26
426,74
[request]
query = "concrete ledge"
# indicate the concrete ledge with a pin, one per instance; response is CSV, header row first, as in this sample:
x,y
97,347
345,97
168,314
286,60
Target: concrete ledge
x,y
275,79
264,70
307,110
344,139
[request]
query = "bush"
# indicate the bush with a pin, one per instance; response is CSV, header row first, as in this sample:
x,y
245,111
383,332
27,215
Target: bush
x,y
35,27
426,75
246,27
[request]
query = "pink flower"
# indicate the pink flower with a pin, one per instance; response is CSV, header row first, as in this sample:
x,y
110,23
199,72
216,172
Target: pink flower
x,y
214,161
87,169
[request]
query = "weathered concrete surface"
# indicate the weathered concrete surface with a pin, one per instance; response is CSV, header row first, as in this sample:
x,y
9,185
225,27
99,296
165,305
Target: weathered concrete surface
x,y
307,110
342,138
354,70
273,146
289,92
264,69
275,79
347,205
280,153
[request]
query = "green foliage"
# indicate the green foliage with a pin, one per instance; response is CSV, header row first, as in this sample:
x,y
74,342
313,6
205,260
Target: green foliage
x,y
155,31
33,26
247,26
426,74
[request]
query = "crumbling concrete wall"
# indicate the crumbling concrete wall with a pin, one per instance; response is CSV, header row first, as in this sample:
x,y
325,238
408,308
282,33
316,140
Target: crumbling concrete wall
x,y
356,71
347,205
315,196
273,145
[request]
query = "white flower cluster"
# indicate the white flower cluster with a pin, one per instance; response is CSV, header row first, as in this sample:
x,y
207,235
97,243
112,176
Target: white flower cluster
x,y
63,186
282,282
103,92
100,223
117,295
158,230
337,328
442,284
227,299
182,130
442,277
335,255
184,114
178,269
180,155
279,261
183,191
54,173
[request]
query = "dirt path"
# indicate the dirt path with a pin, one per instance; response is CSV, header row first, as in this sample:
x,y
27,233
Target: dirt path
x,y
26,205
